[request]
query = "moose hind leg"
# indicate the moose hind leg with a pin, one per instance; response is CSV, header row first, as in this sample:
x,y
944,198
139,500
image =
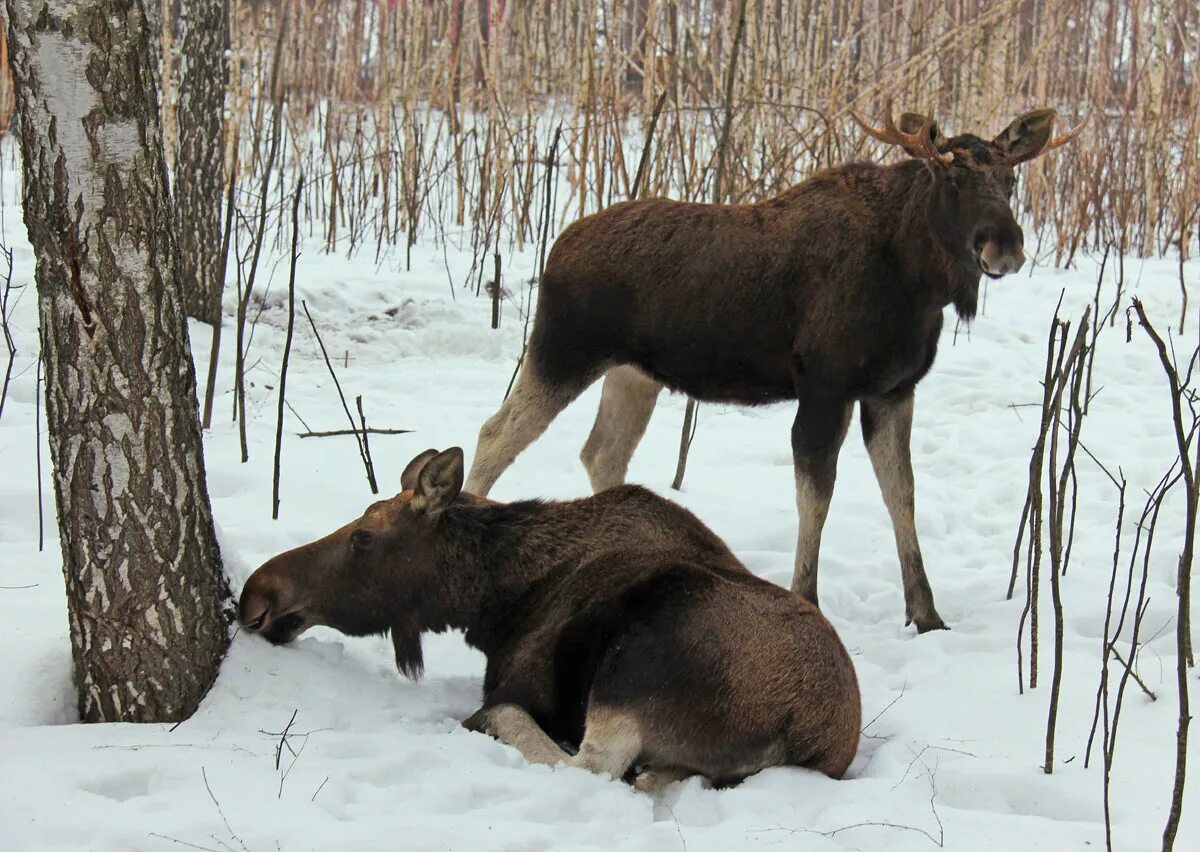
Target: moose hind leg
x,y
626,403
817,435
654,778
612,741
520,420
887,432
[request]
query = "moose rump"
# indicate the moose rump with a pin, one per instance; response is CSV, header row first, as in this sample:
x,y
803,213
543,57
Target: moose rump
x,y
618,624
683,667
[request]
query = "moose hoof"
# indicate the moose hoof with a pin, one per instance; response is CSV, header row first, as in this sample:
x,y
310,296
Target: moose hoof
x,y
932,622
477,721
653,779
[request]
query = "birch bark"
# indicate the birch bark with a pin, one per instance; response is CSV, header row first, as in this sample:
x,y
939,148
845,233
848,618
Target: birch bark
x,y
146,594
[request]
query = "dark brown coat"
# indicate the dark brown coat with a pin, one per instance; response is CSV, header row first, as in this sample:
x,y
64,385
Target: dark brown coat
x,y
619,624
829,294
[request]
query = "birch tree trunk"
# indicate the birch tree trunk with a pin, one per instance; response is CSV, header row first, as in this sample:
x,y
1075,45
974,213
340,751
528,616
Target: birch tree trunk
x,y
145,591
200,158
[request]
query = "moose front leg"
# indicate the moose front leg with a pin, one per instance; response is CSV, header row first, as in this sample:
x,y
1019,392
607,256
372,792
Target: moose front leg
x,y
887,432
817,435
611,743
513,725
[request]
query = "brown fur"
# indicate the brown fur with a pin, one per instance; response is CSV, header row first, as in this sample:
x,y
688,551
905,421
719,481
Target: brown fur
x,y
829,294
618,623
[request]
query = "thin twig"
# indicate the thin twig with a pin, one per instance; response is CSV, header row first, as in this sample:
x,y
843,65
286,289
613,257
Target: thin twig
x,y
232,834
545,238
244,296
1184,435
291,766
1132,671
287,347
345,407
4,320
214,352
283,737
364,431
319,789
37,434
181,842
885,709
298,417
371,431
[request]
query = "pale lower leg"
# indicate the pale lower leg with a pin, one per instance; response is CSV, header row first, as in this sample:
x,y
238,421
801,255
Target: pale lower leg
x,y
626,403
524,416
655,778
817,437
513,725
611,740
887,428
813,495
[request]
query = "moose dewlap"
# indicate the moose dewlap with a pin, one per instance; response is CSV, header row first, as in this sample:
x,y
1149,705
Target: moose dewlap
x,y
619,623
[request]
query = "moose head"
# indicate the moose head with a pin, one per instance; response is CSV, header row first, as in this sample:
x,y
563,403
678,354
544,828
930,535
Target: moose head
x,y
973,181
376,573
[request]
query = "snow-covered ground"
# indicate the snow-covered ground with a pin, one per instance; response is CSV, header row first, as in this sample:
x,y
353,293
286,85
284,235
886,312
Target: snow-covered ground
x,y
952,754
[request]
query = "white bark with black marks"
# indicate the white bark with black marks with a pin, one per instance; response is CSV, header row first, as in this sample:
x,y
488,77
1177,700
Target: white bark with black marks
x,y
200,160
145,589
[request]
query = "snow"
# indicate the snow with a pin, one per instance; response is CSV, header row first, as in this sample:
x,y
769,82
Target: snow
x,y
951,755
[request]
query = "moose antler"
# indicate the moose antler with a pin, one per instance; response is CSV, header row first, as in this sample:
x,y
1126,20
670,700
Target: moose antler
x,y
1059,141
918,144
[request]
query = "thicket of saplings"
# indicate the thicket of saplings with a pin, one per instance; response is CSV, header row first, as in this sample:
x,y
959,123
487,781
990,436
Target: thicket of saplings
x,y
412,117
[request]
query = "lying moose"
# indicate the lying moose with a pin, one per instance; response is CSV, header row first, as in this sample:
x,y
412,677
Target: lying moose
x,y
829,294
618,623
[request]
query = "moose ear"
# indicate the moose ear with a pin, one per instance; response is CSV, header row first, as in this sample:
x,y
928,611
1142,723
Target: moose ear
x,y
911,122
1027,136
439,482
408,479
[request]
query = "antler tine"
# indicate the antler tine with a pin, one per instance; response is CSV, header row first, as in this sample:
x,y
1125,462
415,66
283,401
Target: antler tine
x,y
917,143
923,144
889,135
1059,141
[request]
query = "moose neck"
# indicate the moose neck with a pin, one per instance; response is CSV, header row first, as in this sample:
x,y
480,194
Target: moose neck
x,y
927,260
489,557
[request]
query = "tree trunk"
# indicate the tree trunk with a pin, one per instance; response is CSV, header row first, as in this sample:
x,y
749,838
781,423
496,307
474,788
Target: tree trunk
x,y
146,595
198,164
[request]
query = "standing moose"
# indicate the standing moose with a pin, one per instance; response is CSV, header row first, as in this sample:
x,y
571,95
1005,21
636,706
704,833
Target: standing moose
x,y
828,294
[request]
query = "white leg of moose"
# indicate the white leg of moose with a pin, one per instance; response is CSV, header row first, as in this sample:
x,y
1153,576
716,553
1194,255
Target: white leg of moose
x,y
513,725
655,778
611,740
817,436
626,403
887,432
519,421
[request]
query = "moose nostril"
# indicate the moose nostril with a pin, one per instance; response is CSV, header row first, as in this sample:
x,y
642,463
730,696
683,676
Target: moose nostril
x,y
254,609
252,624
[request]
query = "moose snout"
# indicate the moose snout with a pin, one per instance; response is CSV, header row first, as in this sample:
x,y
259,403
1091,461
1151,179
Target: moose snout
x,y
254,608
268,608
1000,251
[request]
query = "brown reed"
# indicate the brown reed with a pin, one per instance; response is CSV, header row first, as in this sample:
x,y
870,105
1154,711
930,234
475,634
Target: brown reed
x,y
414,115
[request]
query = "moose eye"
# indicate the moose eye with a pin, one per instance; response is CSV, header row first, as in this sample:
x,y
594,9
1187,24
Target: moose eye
x,y
361,540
